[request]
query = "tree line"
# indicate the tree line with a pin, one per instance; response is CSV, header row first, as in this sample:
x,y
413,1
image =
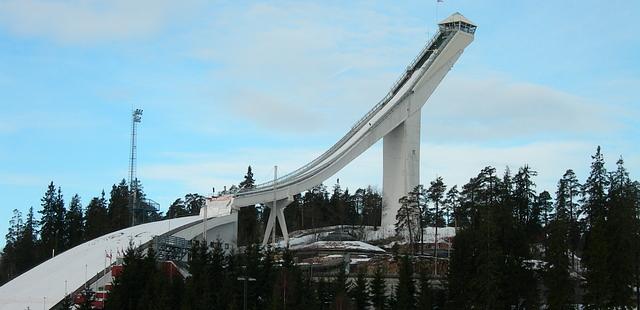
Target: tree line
x,y
515,247
273,281
520,249
61,226
317,207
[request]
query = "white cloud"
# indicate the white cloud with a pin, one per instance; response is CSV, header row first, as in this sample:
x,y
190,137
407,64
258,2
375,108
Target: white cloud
x,y
309,59
86,21
268,112
21,179
455,162
12,123
200,171
473,109
331,67
7,127
459,162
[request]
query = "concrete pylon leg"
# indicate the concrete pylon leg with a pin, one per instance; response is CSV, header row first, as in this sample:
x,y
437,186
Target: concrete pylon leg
x,y
277,213
270,222
401,166
283,226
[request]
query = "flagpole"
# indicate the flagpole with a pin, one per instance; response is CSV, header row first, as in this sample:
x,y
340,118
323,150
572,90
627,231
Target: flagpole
x,y
438,4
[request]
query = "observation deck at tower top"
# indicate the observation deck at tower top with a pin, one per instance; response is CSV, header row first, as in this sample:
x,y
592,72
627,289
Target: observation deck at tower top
x,y
457,22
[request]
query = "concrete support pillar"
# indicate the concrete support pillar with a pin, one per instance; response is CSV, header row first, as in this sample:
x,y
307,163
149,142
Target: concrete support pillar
x,y
277,213
401,166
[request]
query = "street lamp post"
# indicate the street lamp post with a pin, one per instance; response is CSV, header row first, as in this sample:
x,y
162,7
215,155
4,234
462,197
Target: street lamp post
x,y
246,280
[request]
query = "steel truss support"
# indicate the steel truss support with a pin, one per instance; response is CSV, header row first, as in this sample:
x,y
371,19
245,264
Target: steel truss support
x,y
277,212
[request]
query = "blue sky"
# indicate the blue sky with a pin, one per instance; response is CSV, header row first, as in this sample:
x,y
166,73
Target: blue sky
x,y
229,84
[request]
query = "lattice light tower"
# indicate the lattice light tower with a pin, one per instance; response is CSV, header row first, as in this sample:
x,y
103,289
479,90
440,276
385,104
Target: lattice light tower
x,y
136,117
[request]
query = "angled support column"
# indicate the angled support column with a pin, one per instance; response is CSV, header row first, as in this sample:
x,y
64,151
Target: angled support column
x,y
277,213
401,166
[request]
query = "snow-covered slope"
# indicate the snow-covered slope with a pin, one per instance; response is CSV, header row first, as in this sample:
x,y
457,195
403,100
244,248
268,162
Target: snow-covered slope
x,y
45,283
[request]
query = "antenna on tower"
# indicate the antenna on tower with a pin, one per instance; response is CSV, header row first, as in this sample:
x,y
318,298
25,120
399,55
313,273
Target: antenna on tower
x,y
136,117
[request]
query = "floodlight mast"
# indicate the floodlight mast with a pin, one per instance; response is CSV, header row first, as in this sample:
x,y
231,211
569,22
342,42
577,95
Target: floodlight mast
x,y
136,117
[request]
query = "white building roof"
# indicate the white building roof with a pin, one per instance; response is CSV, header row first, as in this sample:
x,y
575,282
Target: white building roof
x,y
456,17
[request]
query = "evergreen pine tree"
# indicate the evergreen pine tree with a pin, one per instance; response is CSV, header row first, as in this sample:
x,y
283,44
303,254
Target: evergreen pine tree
x,y
194,202
16,226
558,253
336,206
378,290
571,192
594,190
435,194
119,208
405,292
465,282
621,234
75,222
425,296
360,292
97,221
325,296
452,206
27,253
595,256
177,209
249,181
267,274
10,267
352,215
545,205
340,298
407,218
557,280
425,217
197,283
526,208
636,265
52,221
372,211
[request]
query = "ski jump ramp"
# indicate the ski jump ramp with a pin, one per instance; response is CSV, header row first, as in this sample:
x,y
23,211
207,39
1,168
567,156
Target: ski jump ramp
x,y
395,119
46,284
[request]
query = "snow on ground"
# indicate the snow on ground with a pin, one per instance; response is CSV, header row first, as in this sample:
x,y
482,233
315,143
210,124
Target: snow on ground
x,y
340,246
360,260
369,233
444,233
44,285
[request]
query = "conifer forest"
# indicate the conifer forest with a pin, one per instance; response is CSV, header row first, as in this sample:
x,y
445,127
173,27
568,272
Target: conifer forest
x,y
515,246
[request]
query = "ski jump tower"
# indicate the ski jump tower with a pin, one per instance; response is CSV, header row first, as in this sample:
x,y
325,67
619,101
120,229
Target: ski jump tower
x,y
395,119
401,146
